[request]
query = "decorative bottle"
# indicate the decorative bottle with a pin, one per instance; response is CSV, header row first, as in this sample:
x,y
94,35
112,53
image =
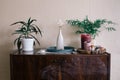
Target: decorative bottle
x,y
60,40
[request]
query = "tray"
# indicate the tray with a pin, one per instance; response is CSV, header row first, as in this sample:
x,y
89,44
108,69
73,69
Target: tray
x,y
67,49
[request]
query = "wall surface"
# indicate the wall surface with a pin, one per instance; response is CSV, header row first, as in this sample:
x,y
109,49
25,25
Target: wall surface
x,y
47,13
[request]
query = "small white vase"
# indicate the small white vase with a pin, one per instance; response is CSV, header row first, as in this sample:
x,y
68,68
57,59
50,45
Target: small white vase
x,y
27,44
60,41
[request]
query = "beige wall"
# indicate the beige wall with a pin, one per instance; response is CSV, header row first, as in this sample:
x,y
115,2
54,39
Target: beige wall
x,y
47,12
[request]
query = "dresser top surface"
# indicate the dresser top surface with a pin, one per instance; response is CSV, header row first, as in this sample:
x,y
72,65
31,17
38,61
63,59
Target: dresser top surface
x,y
37,53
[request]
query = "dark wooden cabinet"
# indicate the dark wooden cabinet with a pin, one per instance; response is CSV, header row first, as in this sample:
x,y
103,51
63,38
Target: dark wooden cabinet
x,y
60,67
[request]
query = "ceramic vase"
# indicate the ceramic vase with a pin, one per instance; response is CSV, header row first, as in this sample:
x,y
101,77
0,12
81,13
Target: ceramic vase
x,y
60,41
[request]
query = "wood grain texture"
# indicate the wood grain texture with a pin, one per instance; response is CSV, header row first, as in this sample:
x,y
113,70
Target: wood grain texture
x,y
60,67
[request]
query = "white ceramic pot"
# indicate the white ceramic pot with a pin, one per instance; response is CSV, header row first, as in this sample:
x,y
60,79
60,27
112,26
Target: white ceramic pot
x,y
27,44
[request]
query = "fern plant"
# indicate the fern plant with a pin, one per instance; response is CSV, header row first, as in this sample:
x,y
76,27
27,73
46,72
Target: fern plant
x,y
26,31
89,27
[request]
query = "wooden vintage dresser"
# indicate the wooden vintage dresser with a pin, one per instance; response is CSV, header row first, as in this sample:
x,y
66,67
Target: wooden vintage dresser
x,y
59,66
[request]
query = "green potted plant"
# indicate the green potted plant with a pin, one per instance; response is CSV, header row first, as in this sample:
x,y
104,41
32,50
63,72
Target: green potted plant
x,y
25,34
90,28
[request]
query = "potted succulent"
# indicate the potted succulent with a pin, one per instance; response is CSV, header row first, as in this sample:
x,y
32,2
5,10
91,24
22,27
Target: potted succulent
x,y
25,32
90,28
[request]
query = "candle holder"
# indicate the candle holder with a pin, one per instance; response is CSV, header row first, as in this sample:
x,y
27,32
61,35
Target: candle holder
x,y
85,41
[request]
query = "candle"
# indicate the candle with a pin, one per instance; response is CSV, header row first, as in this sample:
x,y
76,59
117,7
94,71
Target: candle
x,y
85,38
